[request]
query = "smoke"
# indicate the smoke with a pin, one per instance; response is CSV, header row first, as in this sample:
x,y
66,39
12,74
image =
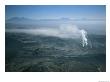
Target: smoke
x,y
63,31
84,37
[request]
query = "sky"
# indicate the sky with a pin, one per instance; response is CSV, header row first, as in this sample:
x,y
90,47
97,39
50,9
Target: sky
x,y
56,11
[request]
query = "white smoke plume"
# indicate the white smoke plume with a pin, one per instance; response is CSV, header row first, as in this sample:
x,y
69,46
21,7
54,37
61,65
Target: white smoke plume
x,y
84,37
63,31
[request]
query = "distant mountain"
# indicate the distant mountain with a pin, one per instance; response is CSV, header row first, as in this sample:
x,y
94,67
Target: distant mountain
x,y
23,19
26,20
19,20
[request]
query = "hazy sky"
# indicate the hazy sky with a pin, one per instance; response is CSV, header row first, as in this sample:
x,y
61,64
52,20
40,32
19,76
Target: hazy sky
x,y
55,11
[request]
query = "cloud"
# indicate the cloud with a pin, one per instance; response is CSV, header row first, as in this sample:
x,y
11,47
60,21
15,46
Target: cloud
x,y
63,31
